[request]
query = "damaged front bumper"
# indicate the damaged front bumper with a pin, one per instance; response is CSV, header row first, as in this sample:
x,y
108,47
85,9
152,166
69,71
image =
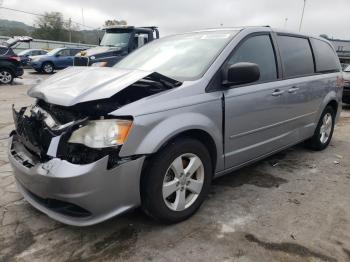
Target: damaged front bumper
x,y
78,195
71,183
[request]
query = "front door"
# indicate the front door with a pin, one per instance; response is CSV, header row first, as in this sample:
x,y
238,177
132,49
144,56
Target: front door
x,y
64,59
255,113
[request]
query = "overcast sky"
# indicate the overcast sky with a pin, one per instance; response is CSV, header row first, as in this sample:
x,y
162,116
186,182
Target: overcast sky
x,y
331,17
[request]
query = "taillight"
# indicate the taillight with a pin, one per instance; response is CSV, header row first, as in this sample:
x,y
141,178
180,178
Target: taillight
x,y
16,58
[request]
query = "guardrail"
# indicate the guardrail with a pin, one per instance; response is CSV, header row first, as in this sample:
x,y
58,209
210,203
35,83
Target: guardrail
x,y
44,44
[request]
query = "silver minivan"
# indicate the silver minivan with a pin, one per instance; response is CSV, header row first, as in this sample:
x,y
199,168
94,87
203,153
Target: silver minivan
x,y
154,130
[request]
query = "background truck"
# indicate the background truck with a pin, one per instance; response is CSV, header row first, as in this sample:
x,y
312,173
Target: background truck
x,y
117,42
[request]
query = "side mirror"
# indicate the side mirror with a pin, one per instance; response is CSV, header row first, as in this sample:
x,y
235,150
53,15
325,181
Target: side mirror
x,y
57,55
241,73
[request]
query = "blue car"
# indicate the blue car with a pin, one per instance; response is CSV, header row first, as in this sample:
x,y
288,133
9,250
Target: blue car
x,y
26,54
58,58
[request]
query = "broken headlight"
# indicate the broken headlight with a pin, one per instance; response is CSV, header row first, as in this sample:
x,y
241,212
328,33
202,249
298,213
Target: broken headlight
x,y
102,133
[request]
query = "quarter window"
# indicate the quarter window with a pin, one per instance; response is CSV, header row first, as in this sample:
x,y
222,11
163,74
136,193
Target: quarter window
x,y
325,57
296,56
257,49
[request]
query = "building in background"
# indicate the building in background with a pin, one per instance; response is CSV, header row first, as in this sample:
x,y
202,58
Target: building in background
x,y
343,49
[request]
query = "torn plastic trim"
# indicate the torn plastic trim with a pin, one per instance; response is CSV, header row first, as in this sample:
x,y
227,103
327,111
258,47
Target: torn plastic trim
x,y
50,122
35,133
39,114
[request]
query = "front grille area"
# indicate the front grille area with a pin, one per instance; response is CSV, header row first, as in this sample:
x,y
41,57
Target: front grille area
x,y
81,61
32,134
61,114
35,133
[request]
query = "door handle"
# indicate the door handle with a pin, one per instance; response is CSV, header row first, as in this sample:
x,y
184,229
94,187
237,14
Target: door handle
x,y
277,92
293,89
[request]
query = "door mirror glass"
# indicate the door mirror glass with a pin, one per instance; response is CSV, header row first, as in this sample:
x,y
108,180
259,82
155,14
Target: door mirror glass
x,y
241,73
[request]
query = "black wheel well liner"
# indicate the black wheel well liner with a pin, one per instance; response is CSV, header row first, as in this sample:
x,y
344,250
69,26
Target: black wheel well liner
x,y
334,105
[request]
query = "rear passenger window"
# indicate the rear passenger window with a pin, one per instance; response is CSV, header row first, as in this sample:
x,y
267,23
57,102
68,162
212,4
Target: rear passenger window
x,y
258,50
325,57
296,56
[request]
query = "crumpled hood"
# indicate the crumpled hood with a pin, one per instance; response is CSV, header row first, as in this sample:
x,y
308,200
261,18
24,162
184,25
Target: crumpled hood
x,y
98,50
81,84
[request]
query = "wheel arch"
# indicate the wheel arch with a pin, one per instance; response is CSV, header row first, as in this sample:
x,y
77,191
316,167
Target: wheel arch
x,y
8,68
198,134
48,62
330,100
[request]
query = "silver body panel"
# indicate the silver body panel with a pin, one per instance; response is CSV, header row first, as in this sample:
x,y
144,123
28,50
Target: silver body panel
x,y
251,125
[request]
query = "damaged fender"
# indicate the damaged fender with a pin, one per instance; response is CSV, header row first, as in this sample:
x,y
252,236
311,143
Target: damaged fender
x,y
144,142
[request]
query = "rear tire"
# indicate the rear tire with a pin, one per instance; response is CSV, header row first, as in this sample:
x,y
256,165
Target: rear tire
x,y
324,131
47,68
6,76
176,181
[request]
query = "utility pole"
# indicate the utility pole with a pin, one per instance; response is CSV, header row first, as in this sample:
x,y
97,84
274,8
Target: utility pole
x,y
302,15
82,17
70,29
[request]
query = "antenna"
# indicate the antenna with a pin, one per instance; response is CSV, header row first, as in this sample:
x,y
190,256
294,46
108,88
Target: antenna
x,y
302,15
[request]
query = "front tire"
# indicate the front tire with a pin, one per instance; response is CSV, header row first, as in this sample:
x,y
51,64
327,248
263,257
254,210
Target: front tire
x,y
6,76
177,181
324,131
47,68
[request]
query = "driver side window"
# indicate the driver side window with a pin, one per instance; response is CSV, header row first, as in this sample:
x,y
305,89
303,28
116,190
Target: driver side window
x,y
64,52
259,50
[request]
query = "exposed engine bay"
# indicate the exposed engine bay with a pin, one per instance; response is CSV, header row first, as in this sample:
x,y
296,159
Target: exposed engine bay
x,y
44,129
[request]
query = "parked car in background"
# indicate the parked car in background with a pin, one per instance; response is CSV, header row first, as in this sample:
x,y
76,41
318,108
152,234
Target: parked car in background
x,y
346,92
26,54
117,42
344,65
10,63
58,58
156,128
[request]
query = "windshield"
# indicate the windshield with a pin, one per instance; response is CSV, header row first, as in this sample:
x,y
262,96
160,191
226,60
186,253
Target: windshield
x,y
54,51
347,69
182,57
111,38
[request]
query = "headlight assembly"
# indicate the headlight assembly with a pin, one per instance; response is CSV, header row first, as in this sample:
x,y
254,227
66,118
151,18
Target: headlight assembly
x,y
102,133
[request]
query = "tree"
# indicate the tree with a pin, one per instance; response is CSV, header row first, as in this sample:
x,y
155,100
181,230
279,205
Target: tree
x,y
115,22
51,26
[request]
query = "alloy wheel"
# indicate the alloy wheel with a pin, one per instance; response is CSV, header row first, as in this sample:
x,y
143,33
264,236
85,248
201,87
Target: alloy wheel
x,y
326,128
48,68
5,77
183,182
